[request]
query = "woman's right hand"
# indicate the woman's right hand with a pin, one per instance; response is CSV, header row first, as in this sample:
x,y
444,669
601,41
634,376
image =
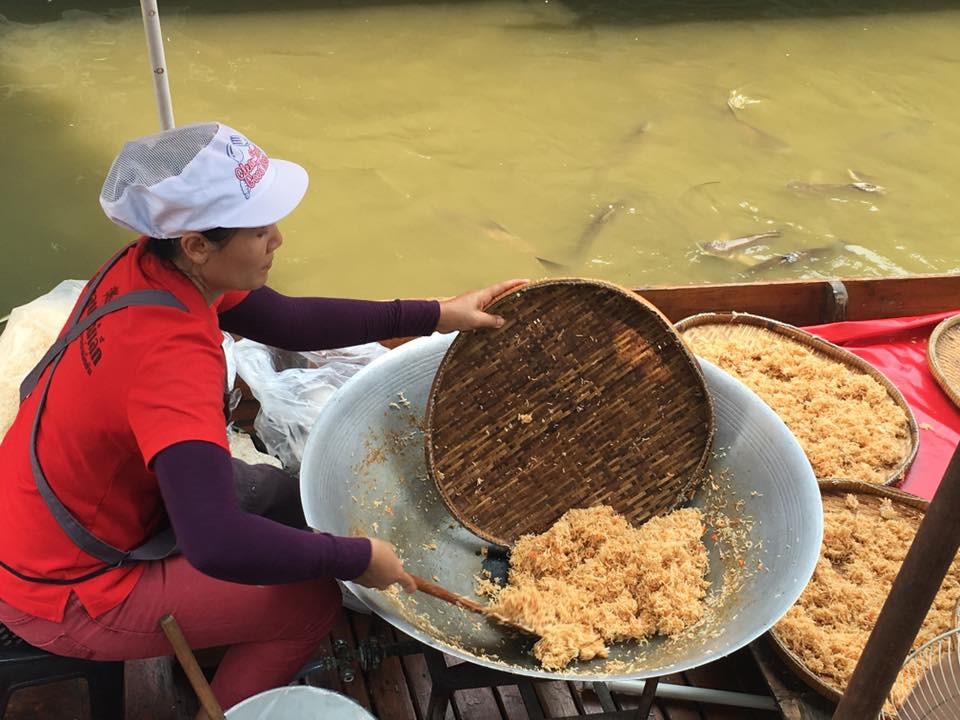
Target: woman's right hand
x,y
385,568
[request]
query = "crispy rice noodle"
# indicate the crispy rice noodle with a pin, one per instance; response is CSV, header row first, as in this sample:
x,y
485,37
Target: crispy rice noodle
x,y
846,421
593,579
862,552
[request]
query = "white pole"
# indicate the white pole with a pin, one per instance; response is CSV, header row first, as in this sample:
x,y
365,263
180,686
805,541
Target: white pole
x,y
151,25
694,694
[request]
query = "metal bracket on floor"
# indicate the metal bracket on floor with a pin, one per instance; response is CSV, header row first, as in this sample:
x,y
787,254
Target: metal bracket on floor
x,y
609,705
368,655
444,681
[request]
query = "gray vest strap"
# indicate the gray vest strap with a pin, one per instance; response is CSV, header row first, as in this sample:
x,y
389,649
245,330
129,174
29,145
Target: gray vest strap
x,y
155,548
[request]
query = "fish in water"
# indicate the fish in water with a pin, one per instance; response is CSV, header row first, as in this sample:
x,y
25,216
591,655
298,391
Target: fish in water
x,y
830,189
868,187
495,231
864,183
596,225
857,182
552,266
737,102
587,238
762,137
725,248
638,132
795,256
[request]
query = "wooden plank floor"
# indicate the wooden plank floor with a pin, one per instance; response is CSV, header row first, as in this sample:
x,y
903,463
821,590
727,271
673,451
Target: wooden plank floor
x,y
398,690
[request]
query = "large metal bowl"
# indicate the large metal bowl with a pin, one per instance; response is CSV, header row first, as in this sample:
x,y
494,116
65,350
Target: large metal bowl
x,y
363,472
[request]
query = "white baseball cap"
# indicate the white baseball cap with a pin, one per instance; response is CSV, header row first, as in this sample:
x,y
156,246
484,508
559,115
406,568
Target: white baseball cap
x,y
196,178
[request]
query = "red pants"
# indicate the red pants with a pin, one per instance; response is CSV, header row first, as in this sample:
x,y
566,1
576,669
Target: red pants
x,y
272,630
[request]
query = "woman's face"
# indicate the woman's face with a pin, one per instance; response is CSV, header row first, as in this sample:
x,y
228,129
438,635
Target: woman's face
x,y
242,262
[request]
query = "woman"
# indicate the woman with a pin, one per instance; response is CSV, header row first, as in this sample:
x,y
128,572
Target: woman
x,y
132,438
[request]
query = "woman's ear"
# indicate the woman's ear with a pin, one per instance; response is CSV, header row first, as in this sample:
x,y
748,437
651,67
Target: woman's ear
x,y
196,248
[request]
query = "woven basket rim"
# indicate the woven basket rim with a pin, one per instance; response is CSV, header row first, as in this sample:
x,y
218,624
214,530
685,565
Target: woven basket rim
x,y
834,352
837,486
695,477
933,357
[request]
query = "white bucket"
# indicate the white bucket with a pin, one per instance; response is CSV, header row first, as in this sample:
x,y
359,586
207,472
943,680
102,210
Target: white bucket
x,y
298,702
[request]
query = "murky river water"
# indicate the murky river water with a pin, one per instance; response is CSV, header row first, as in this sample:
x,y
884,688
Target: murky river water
x,y
453,144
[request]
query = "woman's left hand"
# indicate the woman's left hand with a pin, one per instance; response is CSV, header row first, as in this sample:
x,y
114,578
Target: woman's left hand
x,y
465,312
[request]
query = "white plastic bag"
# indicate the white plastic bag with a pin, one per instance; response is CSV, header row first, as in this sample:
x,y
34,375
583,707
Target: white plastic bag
x,y
291,397
29,333
228,355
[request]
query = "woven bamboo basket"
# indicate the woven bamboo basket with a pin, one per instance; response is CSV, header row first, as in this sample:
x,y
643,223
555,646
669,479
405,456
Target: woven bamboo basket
x,y
586,396
764,331
869,495
943,356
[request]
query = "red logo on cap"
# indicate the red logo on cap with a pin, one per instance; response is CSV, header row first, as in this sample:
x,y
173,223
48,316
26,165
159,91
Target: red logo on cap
x,y
251,171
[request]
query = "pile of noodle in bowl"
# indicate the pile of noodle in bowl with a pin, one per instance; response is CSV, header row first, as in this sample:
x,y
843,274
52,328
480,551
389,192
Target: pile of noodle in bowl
x,y
592,579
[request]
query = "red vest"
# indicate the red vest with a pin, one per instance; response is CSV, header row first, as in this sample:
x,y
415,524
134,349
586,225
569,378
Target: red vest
x,y
139,380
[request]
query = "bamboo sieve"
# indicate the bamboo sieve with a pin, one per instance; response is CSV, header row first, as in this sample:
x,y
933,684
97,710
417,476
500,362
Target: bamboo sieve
x,y
586,396
760,334
943,356
833,492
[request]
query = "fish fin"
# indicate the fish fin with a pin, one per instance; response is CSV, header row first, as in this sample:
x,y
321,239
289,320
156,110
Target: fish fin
x,y
553,266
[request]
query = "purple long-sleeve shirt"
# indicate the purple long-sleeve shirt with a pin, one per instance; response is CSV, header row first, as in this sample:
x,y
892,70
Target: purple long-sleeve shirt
x,y
223,541
322,323
196,478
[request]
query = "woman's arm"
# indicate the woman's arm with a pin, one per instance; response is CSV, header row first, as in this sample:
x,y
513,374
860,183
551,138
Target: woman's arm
x,y
221,540
321,323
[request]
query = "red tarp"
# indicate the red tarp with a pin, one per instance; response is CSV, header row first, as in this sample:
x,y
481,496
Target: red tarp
x,y
897,347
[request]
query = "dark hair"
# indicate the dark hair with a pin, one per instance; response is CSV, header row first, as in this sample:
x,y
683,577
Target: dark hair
x,y
169,248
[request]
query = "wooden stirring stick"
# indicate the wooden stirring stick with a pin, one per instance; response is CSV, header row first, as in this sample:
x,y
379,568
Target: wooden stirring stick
x,y
451,597
189,664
